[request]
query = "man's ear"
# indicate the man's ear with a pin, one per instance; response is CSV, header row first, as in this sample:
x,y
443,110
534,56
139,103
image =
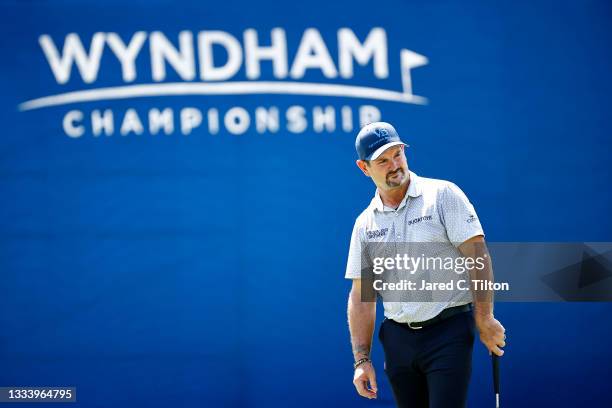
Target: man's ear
x,y
363,166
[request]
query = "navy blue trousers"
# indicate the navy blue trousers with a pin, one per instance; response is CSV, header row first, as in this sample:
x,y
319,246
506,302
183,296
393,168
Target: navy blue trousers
x,y
429,367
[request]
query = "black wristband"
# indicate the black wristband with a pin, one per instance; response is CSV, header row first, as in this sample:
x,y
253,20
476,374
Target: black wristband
x,y
360,362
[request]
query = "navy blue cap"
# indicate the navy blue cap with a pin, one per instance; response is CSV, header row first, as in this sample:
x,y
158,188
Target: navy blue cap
x,y
374,139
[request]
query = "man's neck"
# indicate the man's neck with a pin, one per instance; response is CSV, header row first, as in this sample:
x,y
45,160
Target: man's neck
x,y
393,198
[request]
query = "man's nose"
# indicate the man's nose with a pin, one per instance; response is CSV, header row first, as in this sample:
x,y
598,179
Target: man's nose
x,y
396,163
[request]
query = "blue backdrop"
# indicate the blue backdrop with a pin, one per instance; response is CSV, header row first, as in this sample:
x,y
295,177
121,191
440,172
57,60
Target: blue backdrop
x,y
206,269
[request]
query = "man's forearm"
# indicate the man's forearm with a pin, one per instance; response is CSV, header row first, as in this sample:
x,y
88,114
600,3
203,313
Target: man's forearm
x,y
492,333
476,248
361,319
482,298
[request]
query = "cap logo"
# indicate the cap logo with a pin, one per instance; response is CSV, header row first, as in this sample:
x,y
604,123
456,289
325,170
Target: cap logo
x,y
381,132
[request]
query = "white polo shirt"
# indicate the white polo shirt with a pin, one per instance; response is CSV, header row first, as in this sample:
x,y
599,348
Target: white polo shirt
x,y
432,211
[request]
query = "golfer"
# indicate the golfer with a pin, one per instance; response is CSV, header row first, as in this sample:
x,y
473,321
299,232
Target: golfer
x,y
428,345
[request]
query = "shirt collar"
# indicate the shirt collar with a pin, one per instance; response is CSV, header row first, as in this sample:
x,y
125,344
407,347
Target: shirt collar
x,y
414,190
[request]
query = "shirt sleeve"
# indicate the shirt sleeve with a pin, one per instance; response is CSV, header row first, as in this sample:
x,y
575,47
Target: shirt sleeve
x,y
459,216
353,264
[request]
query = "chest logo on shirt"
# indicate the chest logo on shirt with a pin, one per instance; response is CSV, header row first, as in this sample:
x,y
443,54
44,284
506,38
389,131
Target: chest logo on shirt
x,y
423,218
377,234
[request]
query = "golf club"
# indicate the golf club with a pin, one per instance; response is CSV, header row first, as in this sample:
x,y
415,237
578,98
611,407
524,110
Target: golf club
x,y
495,360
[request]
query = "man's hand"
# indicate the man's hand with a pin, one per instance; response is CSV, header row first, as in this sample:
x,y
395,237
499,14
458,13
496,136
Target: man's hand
x,y
361,317
365,374
492,333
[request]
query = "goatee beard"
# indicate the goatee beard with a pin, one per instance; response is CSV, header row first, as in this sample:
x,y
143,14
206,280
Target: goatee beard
x,y
395,183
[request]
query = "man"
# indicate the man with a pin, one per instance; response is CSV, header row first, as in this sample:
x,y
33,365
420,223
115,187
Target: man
x,y
428,345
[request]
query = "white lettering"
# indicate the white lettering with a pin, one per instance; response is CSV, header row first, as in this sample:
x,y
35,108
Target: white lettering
x,y
347,119
87,63
374,47
158,119
313,53
324,119
127,55
191,118
208,71
267,120
162,50
70,128
213,121
131,123
461,285
368,114
102,122
378,268
296,120
237,120
277,52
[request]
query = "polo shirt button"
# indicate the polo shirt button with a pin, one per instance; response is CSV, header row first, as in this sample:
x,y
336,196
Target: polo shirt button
x,y
399,236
